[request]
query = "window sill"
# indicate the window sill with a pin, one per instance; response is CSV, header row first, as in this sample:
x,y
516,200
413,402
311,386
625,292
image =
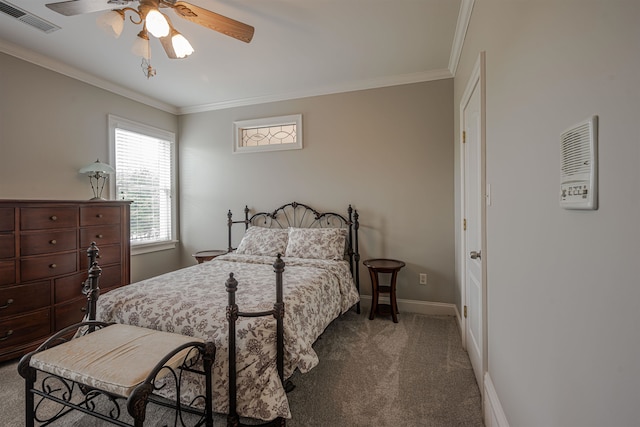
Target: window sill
x,y
146,248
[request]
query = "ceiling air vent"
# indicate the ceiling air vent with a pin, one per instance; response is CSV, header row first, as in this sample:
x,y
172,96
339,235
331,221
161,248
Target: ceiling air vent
x,y
27,18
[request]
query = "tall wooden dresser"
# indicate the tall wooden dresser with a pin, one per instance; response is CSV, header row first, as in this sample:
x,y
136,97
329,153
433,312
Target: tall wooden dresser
x,y
43,264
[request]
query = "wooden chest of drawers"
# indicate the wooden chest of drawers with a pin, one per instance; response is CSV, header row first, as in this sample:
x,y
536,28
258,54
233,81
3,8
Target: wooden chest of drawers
x,y
43,263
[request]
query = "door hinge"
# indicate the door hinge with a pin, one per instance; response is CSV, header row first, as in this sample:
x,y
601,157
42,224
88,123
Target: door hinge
x,y
464,224
465,311
464,137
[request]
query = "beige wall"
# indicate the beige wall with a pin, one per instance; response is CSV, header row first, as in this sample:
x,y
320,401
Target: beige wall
x,y
388,152
563,287
50,127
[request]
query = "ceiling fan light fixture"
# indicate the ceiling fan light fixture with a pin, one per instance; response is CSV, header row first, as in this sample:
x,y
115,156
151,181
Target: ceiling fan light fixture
x,y
141,45
148,15
111,22
157,23
181,45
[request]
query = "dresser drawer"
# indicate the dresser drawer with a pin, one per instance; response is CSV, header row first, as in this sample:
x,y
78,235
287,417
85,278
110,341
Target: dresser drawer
x,y
107,255
111,276
70,313
21,299
44,218
69,287
104,235
26,328
7,272
35,243
7,246
47,266
99,215
7,219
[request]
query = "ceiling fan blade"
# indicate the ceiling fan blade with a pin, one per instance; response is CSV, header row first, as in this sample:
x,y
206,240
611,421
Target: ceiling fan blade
x,y
78,7
214,21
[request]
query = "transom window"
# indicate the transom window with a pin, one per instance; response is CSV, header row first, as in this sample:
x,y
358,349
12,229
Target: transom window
x,y
268,134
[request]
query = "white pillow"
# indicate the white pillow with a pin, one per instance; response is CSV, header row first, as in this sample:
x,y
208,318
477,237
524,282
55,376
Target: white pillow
x,y
317,243
263,241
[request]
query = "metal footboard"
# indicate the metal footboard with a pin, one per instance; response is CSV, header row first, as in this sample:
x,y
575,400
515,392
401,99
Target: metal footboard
x,y
233,420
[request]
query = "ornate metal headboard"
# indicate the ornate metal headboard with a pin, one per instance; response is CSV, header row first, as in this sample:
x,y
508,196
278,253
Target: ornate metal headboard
x,y
300,215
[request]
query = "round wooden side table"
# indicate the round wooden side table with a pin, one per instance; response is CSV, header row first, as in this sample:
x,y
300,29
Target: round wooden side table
x,y
203,256
376,267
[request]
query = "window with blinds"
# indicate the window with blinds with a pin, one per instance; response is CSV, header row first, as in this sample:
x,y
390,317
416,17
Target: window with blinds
x,y
144,174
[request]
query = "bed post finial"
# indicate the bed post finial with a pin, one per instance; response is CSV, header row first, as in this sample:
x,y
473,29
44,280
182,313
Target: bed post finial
x,y
229,224
232,286
279,263
90,287
278,268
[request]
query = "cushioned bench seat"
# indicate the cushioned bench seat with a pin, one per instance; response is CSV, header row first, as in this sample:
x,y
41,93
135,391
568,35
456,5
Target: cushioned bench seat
x,y
117,360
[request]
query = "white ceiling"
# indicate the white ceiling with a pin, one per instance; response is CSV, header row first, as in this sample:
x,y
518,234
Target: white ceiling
x,y
300,48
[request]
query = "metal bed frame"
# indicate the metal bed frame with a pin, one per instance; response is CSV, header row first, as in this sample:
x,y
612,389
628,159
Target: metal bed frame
x,y
289,215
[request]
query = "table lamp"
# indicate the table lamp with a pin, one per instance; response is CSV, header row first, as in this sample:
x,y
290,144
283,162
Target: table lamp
x,y
98,173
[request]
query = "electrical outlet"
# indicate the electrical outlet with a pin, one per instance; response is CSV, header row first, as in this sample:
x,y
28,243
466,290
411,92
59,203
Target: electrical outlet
x,y
423,278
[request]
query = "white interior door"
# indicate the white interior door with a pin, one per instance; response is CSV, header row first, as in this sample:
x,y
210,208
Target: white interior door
x,y
472,120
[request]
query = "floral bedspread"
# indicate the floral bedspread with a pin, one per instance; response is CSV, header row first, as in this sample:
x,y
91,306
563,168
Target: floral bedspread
x,y
192,301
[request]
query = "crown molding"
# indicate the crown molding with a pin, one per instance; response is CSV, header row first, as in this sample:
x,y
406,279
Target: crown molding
x,y
464,17
327,90
74,73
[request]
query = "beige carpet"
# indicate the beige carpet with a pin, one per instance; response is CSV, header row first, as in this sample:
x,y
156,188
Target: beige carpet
x,y
413,373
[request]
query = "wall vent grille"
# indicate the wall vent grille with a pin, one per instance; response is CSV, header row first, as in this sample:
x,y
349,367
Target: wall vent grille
x,y
579,166
576,151
27,18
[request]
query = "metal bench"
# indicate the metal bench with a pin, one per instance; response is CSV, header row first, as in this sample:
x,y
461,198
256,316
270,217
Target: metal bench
x,y
122,363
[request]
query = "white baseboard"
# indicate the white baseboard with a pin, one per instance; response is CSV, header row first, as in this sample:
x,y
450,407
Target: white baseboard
x,y
493,414
459,320
414,306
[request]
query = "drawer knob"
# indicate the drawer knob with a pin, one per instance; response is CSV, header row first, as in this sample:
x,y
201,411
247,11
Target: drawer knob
x,y
83,309
53,218
99,236
53,242
7,335
99,216
53,266
9,302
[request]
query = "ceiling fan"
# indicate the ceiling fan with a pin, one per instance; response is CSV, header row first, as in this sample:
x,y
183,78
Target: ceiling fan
x,y
155,22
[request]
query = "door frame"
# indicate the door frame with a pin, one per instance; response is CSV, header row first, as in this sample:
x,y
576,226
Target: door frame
x,y
477,78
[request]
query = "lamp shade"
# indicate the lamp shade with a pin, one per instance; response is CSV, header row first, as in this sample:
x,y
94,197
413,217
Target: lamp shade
x,y
157,23
97,167
111,22
181,45
141,45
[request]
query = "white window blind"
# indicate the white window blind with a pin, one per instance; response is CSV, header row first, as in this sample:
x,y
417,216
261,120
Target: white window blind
x,y
144,175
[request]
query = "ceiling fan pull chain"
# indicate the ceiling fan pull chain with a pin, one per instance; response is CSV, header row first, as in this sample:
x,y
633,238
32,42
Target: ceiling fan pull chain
x,y
147,69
